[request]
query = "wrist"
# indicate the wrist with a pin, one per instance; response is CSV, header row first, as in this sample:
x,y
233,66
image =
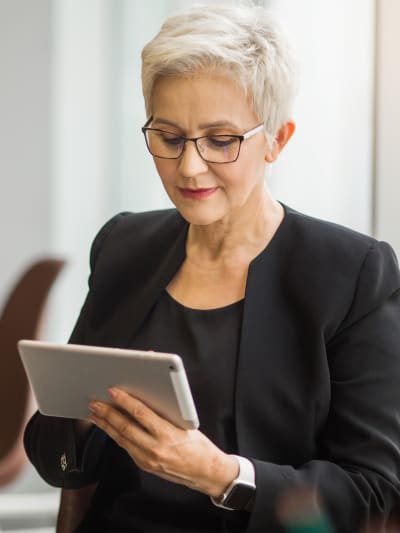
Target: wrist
x,y
240,493
228,470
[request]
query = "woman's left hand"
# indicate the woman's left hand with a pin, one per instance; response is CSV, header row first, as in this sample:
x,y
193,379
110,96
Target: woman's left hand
x,y
159,447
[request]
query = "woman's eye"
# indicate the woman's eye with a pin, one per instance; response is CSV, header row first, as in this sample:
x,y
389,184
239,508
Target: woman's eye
x,y
221,141
172,140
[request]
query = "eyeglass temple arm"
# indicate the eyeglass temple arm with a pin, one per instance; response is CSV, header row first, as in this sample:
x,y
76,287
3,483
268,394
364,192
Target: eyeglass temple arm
x,y
252,132
148,122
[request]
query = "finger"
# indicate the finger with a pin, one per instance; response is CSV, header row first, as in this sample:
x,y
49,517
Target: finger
x,y
140,412
119,426
124,440
138,443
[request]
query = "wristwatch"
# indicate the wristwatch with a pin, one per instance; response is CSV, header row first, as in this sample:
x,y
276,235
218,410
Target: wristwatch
x,y
241,491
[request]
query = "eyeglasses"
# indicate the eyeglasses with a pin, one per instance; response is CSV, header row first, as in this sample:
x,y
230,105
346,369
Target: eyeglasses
x,y
211,148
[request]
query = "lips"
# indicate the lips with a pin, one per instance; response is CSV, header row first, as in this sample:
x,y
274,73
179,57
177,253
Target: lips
x,y
197,194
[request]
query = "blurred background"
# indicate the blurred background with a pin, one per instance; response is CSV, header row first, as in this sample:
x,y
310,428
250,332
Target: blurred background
x,y
72,153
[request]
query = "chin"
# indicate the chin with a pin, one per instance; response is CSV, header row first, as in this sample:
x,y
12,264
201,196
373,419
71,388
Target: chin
x,y
200,216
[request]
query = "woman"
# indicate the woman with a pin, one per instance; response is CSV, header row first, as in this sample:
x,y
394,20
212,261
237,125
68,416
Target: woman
x,y
288,326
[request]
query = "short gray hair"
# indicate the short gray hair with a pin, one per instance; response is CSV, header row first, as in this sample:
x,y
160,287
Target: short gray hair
x,y
244,43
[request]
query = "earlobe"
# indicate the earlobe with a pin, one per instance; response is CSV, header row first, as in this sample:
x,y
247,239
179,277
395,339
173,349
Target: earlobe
x,y
281,138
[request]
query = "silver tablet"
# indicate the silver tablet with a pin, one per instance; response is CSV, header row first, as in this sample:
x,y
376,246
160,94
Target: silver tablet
x,y
66,377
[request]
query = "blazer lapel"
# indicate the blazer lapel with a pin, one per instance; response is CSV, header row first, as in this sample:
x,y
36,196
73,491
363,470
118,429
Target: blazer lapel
x,y
140,294
261,350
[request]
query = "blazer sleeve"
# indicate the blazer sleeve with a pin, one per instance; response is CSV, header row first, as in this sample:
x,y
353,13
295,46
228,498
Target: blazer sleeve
x,y
357,471
50,442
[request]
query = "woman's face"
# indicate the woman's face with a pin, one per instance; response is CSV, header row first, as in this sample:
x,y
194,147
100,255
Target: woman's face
x,y
205,193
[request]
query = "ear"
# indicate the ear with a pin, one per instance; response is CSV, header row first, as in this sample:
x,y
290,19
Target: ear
x,y
281,138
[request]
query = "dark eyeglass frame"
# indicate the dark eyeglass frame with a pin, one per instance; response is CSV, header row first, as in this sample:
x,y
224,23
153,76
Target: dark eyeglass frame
x,y
245,135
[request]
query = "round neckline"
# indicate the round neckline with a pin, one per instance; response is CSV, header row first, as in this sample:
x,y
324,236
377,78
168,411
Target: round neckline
x,y
202,310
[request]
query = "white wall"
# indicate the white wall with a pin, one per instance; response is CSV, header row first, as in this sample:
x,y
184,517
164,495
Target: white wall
x,y
25,56
25,139
387,187
80,147
327,167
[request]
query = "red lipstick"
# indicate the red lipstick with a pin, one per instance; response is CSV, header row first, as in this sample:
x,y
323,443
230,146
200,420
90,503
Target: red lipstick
x,y
197,194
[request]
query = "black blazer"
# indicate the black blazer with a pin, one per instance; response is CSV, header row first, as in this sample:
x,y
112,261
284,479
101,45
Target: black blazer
x,y
318,379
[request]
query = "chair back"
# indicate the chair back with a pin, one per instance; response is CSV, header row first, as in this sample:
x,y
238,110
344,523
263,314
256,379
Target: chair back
x,y
21,318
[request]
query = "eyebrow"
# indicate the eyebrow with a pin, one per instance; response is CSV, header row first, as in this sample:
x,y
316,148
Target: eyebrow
x,y
204,126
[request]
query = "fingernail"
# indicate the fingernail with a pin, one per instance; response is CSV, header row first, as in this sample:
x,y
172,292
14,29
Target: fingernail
x,y
94,419
112,393
95,407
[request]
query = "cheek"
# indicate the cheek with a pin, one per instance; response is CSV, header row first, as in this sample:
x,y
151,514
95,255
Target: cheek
x,y
243,175
254,167
165,169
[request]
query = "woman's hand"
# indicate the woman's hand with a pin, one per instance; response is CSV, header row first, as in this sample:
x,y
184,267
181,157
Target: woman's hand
x,y
182,456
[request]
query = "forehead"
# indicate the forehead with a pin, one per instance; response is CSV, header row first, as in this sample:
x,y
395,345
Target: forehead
x,y
201,99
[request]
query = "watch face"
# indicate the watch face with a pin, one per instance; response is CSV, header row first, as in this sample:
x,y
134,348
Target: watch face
x,y
239,496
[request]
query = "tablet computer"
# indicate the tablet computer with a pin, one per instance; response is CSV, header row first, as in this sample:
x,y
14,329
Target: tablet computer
x,y
66,377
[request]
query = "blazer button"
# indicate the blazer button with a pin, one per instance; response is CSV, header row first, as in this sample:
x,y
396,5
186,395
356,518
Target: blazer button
x,y
63,462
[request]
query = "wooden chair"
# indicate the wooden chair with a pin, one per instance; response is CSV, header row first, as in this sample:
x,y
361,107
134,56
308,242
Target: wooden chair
x,y
21,318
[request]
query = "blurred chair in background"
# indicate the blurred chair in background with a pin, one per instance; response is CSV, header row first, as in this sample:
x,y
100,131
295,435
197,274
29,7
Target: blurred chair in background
x,y
21,319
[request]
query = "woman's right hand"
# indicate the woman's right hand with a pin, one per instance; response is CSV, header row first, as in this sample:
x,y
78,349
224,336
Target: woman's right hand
x,y
183,456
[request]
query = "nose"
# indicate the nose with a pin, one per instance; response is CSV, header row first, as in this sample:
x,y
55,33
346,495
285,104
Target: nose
x,y
190,163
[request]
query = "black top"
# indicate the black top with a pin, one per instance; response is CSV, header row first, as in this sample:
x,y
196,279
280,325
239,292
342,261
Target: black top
x,y
316,392
208,342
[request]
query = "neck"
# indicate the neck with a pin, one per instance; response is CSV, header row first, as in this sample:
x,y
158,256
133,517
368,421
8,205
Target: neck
x,y
246,234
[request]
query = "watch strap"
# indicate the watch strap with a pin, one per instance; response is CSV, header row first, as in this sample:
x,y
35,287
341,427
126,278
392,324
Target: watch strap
x,y
246,478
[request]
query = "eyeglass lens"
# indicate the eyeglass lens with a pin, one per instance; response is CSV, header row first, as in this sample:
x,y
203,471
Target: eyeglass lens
x,y
217,149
